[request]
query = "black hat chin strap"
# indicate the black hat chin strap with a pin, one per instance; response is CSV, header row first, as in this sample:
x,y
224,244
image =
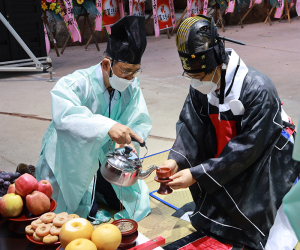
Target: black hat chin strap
x,y
223,84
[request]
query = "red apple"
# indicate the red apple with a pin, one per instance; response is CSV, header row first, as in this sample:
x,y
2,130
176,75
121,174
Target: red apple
x,y
25,184
45,187
37,203
11,189
11,205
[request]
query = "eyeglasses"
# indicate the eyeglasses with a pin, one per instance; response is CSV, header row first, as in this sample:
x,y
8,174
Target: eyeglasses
x,y
129,73
185,75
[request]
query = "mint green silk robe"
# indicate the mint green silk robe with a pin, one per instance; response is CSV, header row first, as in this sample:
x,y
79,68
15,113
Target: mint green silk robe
x,y
77,138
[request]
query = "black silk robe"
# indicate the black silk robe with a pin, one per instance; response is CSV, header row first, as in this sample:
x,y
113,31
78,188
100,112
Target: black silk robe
x,y
242,163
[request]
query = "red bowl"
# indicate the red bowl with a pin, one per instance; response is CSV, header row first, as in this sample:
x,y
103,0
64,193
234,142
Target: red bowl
x,y
18,224
30,238
59,248
128,237
27,216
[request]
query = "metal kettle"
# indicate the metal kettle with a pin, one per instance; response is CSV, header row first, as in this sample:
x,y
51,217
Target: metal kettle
x,y
123,167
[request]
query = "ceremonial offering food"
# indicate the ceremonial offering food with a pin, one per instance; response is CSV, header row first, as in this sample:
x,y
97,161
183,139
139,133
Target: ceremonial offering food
x,y
75,229
25,184
42,230
55,230
37,238
45,187
29,230
128,229
81,244
107,237
11,189
11,205
48,217
5,180
37,203
36,223
59,220
50,239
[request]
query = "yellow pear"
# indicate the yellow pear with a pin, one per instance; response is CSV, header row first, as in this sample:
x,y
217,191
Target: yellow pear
x,y
107,237
81,244
75,229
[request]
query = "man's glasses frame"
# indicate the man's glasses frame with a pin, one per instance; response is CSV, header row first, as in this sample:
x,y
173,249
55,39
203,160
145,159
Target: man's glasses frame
x,y
129,73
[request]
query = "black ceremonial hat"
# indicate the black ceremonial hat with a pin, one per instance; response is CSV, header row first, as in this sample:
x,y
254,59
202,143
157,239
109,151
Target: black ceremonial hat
x,y
127,41
205,54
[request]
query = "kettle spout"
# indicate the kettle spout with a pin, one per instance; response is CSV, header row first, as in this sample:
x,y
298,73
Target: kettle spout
x,y
145,174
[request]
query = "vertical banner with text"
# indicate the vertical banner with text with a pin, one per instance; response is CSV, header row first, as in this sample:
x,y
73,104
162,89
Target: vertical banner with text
x,y
137,7
98,18
66,11
164,14
155,18
205,4
112,11
194,7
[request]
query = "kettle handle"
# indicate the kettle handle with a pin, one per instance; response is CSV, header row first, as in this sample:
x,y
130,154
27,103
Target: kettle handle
x,y
143,144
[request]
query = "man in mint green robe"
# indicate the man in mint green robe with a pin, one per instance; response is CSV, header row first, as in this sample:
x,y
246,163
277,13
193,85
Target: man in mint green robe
x,y
93,110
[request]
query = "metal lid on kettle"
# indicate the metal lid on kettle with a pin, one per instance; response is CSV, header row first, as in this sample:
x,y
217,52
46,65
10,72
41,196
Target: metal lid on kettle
x,y
124,159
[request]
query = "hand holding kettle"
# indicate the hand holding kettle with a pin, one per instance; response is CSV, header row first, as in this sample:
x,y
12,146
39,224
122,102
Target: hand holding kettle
x,y
122,134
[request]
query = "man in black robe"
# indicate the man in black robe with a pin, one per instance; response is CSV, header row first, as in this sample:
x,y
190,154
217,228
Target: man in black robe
x,y
234,142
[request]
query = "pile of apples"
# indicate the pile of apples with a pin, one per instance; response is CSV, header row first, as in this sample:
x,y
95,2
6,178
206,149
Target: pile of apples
x,y
26,189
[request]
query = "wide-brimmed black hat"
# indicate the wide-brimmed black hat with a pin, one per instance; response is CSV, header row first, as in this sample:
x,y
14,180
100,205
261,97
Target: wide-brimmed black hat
x,y
127,41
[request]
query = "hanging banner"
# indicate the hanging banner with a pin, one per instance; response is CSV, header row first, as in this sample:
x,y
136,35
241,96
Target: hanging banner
x,y
293,2
47,40
121,7
66,8
155,18
230,7
256,2
205,7
137,7
98,18
279,10
112,11
298,7
193,7
164,14
172,12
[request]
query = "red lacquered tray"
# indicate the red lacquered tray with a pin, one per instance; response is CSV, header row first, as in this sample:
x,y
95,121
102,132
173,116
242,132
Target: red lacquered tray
x,y
30,238
26,216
